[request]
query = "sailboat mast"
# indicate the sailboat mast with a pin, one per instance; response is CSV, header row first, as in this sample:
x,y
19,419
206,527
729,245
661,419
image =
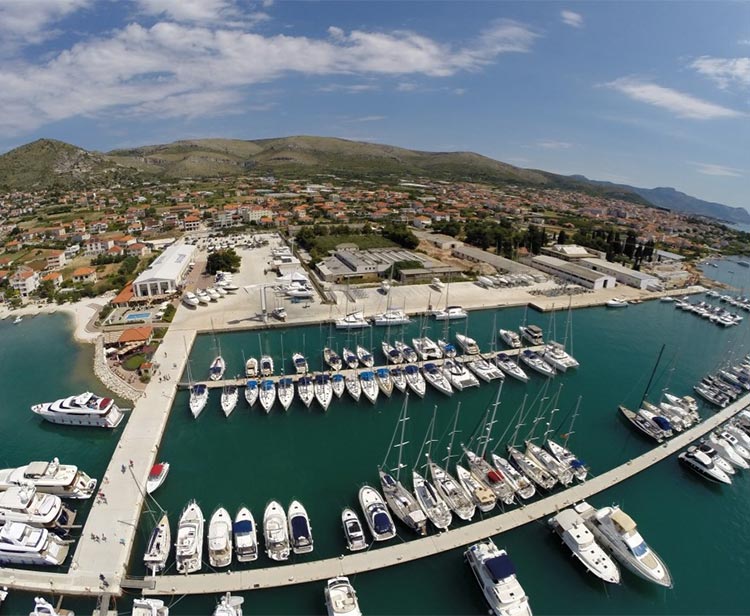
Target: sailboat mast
x,y
402,442
572,421
552,414
447,458
491,423
520,420
653,372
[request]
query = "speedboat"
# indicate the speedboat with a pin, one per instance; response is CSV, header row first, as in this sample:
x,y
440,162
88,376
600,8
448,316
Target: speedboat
x,y
535,362
616,531
531,469
189,299
391,317
523,486
452,492
350,358
568,458
306,390
266,365
251,368
496,576
365,357
426,348
157,476
434,376
198,398
409,354
323,390
548,462
378,519
353,531
491,477
447,348
481,495
450,313
341,598
217,368
353,320
229,398
267,394
569,525
22,544
385,383
300,531
469,345
432,504
338,384
220,539
63,480
700,463
219,289
616,302
556,355
245,535
437,284
510,338
275,532
402,503
149,607
532,334
351,382
229,606
458,375
510,367
285,392
300,363
189,545
85,409
25,504
484,369
158,547
369,385
392,354
415,380
332,358
399,379
251,392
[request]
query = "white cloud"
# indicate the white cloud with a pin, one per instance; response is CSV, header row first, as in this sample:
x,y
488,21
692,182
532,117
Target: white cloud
x,y
22,21
369,118
681,104
743,42
459,91
571,18
551,144
355,88
717,170
134,69
406,86
724,71
226,12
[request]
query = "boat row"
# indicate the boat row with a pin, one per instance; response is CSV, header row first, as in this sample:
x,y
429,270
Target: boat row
x,y
223,285
726,385
660,422
394,316
739,301
716,314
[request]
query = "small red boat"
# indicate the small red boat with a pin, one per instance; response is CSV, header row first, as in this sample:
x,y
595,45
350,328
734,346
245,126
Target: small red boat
x,y
157,476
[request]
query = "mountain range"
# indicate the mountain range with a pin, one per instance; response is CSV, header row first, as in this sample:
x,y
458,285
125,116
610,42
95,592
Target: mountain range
x,y
48,163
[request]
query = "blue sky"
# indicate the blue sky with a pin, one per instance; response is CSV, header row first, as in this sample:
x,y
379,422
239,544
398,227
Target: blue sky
x,y
648,93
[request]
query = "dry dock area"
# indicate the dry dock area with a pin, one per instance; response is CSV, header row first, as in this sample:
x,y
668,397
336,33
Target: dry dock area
x,y
317,570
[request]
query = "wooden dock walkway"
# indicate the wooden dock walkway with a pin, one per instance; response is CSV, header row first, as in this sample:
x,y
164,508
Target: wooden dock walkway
x,y
350,564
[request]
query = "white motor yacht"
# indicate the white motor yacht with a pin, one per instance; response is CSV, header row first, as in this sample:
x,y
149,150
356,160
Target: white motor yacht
x,y
189,299
158,547
384,381
734,442
469,345
275,532
220,539
306,390
369,386
251,391
376,514
229,606
300,530
353,531
245,535
726,451
720,462
44,608
409,354
510,338
266,365
495,480
22,544
569,525
64,480
399,379
484,369
391,317
219,289
555,354
353,320
364,356
451,313
267,394
251,368
391,353
616,302
24,504
202,297
85,409
338,384
460,378
212,293
496,576
452,492
437,284
481,495
511,367
189,544
229,397
414,380
341,598
426,348
535,362
616,531
300,363
435,377
402,503
700,463
285,392
149,607
198,399
435,508
353,386
217,368
522,485
532,334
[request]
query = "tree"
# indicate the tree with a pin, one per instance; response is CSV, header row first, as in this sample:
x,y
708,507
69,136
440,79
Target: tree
x,y
629,248
399,233
562,237
47,289
223,260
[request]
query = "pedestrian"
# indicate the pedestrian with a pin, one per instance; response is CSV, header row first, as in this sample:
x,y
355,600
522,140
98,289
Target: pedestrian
x,y
131,464
122,468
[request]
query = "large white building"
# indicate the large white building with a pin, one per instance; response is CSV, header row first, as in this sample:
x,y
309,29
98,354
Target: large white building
x,y
165,275
576,274
622,274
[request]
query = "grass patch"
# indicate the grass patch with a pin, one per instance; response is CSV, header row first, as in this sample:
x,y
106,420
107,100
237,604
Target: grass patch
x,y
325,243
134,362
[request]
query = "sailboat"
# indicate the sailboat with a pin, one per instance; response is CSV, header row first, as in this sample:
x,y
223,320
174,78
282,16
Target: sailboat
x,y
429,498
267,394
399,379
435,377
285,392
306,390
510,367
251,391
332,358
563,454
350,358
524,464
218,365
364,356
157,550
351,382
384,380
415,380
409,354
323,390
229,398
338,384
401,502
369,385
554,353
391,353
562,472
198,393
482,496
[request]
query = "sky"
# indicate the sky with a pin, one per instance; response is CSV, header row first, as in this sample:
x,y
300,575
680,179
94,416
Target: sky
x,y
645,93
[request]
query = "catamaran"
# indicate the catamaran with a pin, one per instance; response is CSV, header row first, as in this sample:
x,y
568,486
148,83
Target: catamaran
x,y
458,375
306,390
85,409
285,392
376,514
300,530
391,317
158,547
245,535
369,385
251,392
323,390
189,545
353,320
267,394
450,313
64,480
426,348
276,532
353,531
220,539
229,398
484,369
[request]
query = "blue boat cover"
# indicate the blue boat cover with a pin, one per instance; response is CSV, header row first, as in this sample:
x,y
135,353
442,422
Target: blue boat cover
x,y
382,523
503,356
199,388
383,372
267,385
243,526
300,529
500,567
430,367
411,369
338,377
578,464
662,422
252,384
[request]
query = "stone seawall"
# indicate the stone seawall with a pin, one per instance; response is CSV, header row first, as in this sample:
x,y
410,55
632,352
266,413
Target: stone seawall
x,y
112,382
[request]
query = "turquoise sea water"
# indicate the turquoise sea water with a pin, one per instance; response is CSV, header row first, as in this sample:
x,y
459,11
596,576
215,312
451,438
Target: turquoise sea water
x,y
322,459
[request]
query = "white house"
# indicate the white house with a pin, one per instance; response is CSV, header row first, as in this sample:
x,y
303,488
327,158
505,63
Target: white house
x,y
167,273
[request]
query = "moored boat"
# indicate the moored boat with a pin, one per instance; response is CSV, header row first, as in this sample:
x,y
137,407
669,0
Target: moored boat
x,y
300,530
220,539
157,476
353,531
189,544
496,575
275,532
341,598
158,546
376,514
86,409
245,535
64,480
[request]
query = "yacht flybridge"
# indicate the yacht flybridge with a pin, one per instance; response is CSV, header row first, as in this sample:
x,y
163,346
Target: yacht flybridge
x,y
25,504
496,576
510,338
64,480
532,334
85,409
